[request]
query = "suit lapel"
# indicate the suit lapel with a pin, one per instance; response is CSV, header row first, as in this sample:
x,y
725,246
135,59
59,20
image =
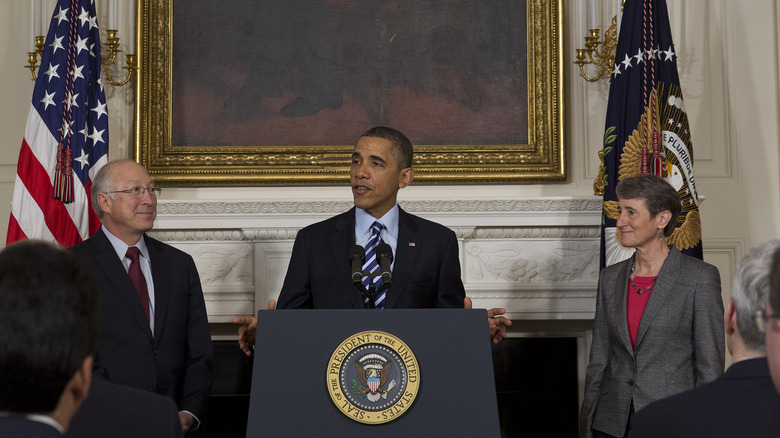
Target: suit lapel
x,y
667,277
620,305
341,242
107,260
161,266
405,256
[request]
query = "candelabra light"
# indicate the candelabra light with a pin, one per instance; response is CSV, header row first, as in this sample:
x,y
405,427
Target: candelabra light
x,y
32,57
107,59
599,53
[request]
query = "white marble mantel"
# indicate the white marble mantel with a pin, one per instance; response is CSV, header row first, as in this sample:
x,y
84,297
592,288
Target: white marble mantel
x,y
535,256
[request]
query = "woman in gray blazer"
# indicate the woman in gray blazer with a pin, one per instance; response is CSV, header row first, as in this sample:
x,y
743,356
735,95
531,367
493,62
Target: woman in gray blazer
x,y
658,328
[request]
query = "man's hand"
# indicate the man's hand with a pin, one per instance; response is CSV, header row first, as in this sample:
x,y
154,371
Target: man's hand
x,y
246,333
187,421
497,322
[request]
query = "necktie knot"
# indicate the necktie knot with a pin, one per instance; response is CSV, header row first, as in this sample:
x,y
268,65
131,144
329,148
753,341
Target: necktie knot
x,y
133,253
377,227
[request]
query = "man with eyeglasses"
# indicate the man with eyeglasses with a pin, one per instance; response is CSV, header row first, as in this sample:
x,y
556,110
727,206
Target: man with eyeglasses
x,y
154,333
742,402
771,318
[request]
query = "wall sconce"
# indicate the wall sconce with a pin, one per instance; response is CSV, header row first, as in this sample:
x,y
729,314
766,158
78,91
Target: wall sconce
x,y
108,57
109,60
600,54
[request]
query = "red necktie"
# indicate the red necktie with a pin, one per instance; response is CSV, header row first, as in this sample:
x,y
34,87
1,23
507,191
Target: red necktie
x,y
138,279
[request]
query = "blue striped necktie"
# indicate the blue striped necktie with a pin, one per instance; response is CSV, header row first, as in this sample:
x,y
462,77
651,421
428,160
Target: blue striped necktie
x,y
372,265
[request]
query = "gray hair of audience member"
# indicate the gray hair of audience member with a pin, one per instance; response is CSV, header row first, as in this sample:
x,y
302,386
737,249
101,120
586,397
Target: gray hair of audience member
x,y
402,147
103,183
48,324
658,195
774,283
751,291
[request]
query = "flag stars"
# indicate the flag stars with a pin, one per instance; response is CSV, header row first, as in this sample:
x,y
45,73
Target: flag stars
x,y
616,71
83,159
84,132
671,122
52,72
56,44
92,22
70,100
669,54
67,127
81,44
97,136
639,55
100,109
76,72
626,62
61,15
47,100
84,16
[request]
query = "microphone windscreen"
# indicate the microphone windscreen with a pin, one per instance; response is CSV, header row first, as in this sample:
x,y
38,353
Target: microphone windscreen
x,y
384,250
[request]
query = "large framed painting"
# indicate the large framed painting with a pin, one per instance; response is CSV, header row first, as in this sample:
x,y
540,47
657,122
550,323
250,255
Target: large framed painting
x,y
276,92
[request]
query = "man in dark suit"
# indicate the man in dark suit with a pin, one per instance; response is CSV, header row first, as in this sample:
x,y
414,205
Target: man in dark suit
x,y
425,267
48,335
154,332
119,411
742,401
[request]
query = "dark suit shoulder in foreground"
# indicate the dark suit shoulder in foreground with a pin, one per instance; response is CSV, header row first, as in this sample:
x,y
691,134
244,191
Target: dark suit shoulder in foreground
x,y
740,403
118,411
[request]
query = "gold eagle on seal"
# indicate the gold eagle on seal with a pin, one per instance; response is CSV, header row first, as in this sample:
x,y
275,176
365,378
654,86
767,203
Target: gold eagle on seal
x,y
687,234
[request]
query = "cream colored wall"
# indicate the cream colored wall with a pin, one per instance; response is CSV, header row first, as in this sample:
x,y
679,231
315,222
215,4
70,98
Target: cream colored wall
x,y
728,56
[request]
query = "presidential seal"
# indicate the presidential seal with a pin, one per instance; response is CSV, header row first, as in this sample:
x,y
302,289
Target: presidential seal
x,y
373,377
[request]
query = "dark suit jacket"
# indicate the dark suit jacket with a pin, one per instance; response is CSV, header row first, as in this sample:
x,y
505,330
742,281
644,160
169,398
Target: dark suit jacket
x,y
177,360
118,411
680,341
741,403
22,428
426,273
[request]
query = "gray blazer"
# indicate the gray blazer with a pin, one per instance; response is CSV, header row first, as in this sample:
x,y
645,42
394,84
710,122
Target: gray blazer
x,y
680,341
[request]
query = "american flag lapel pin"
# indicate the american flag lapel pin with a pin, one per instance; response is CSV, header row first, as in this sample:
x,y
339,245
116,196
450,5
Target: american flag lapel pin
x,y
411,244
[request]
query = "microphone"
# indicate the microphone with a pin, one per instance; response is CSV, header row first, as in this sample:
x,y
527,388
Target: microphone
x,y
384,255
357,255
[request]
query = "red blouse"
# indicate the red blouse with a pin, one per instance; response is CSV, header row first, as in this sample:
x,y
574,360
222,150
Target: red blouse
x,y
637,303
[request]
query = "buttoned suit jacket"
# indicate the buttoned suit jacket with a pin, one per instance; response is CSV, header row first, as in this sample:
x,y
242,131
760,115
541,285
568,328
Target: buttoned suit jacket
x,y
679,345
742,402
177,360
23,428
119,411
426,273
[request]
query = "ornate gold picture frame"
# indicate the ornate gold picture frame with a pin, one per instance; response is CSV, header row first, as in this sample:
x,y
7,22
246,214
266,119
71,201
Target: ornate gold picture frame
x,y
170,110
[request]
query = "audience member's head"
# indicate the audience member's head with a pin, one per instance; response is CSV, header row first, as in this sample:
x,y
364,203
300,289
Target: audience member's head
x,y
748,297
772,313
48,330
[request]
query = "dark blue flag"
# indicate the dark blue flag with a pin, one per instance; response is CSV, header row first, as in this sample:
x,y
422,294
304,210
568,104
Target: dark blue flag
x,y
647,126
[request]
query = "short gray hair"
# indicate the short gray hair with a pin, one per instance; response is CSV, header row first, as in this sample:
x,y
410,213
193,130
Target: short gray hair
x,y
751,291
658,195
104,183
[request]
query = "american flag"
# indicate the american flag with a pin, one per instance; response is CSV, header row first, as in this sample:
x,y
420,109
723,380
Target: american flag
x,y
66,138
647,126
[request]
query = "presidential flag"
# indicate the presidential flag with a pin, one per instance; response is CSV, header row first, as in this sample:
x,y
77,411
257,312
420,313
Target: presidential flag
x,y
66,138
647,126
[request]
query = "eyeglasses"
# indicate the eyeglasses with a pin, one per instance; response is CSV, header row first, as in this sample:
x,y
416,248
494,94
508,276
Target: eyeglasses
x,y
762,319
138,191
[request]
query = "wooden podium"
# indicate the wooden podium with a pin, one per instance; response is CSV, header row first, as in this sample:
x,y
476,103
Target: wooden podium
x,y
306,361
